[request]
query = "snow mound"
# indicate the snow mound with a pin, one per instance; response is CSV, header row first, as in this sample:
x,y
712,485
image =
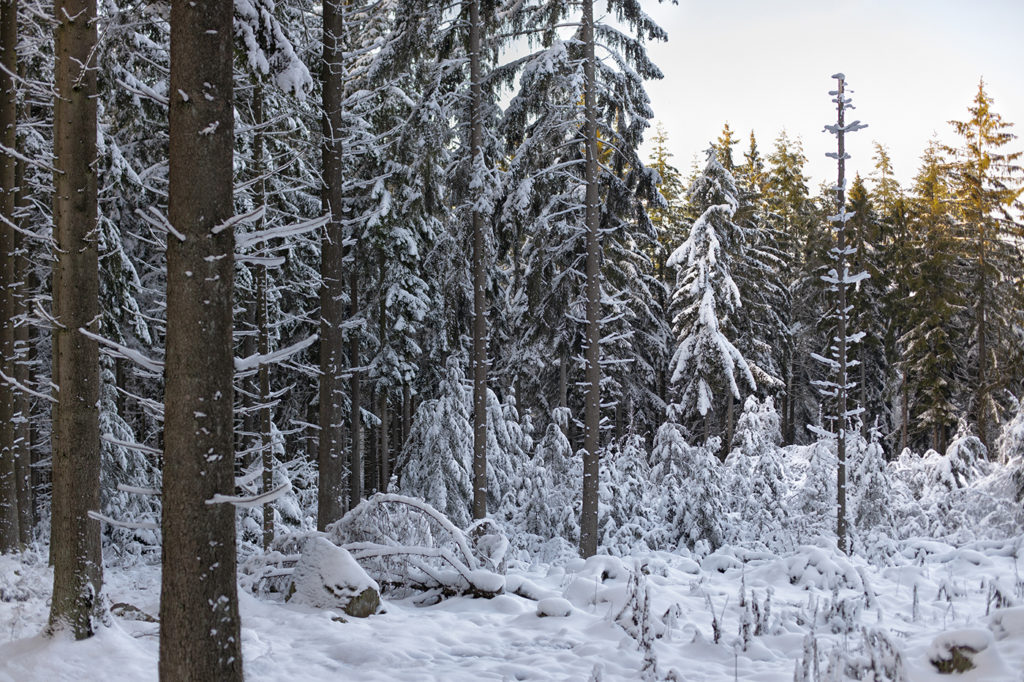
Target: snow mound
x,y
554,607
327,576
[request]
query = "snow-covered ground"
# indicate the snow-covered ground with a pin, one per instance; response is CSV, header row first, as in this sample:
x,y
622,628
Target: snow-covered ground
x,y
931,597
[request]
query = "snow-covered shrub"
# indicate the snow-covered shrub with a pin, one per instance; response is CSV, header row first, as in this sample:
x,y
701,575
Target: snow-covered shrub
x,y
755,479
1010,444
436,462
543,502
691,501
814,491
627,520
870,500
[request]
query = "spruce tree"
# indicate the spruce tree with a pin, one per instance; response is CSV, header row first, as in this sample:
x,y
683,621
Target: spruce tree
x,y
987,187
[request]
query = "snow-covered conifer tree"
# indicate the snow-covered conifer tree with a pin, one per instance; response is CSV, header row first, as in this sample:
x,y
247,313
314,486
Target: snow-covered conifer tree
x,y
706,362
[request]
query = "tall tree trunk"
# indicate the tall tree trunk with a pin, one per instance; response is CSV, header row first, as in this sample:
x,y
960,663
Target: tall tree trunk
x,y
355,455
23,345
592,380
841,316
730,424
383,458
199,626
75,538
332,311
263,330
9,536
982,388
406,412
479,360
904,414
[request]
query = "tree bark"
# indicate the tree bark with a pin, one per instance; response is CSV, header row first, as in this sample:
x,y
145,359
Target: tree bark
x,y
332,311
22,343
479,350
199,625
75,538
592,381
355,454
263,328
9,531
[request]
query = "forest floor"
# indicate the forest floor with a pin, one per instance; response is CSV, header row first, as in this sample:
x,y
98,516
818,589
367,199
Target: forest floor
x,y
930,597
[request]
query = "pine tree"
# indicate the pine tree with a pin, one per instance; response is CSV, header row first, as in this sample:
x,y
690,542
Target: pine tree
x,y
987,186
706,361
930,364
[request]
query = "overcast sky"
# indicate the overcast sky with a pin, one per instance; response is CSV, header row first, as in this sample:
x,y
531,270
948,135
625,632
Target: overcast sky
x,y
765,65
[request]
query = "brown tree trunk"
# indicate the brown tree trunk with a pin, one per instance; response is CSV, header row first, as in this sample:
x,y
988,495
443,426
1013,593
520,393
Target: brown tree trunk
x,y
22,342
355,455
9,531
479,360
75,538
330,503
199,626
263,330
592,381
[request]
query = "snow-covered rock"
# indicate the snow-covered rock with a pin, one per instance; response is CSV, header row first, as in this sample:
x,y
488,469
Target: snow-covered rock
x,y
327,576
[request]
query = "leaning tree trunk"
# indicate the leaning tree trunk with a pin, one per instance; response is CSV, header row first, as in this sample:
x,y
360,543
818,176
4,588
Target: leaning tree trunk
x,y
330,504
75,538
9,536
199,625
592,377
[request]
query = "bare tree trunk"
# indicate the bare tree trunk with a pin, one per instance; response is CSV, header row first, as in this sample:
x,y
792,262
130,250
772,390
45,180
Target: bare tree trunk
x,y
199,625
22,343
592,397
9,532
479,360
841,531
904,415
332,312
266,457
75,538
406,411
730,424
355,455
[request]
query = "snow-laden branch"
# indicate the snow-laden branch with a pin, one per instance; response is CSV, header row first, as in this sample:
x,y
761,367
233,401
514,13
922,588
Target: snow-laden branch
x,y
130,446
244,241
256,359
132,525
25,389
125,352
247,501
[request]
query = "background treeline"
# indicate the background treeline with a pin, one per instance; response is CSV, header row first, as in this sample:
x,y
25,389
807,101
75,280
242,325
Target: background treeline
x,y
440,172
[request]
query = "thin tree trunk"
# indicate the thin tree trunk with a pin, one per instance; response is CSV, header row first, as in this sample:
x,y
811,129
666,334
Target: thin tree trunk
x,y
730,423
22,342
355,461
263,331
841,531
75,538
406,412
905,415
479,360
384,469
330,502
199,625
9,532
592,397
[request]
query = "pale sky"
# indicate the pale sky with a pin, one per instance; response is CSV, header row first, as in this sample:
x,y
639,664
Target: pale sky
x,y
765,65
